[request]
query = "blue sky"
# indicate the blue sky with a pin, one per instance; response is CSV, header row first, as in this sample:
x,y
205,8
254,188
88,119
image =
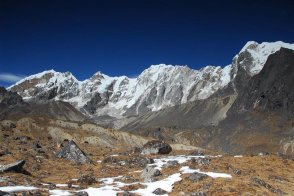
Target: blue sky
x,y
126,37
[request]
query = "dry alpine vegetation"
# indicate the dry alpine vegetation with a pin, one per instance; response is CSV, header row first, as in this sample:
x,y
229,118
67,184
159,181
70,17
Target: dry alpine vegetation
x,y
68,158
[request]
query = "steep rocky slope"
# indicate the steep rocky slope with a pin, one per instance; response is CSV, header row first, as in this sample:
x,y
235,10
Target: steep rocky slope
x,y
256,116
262,115
12,106
8,98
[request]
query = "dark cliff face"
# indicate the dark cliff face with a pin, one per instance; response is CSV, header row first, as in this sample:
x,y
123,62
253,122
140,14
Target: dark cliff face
x,y
261,117
9,98
272,89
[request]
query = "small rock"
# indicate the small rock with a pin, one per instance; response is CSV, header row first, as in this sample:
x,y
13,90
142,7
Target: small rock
x,y
201,161
206,186
156,147
111,160
262,183
31,193
10,183
128,179
69,185
41,151
136,150
263,153
87,179
140,161
5,152
199,193
125,193
22,138
81,193
37,145
159,191
52,186
196,177
197,153
172,164
235,171
149,173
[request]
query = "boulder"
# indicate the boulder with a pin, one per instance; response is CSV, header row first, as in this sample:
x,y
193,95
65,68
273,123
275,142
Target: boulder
x,y
159,191
81,193
8,124
197,153
125,193
140,161
16,167
72,152
149,173
87,179
36,145
201,161
172,163
196,177
156,147
52,186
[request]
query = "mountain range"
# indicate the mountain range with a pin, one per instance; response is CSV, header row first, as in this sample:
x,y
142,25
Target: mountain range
x,y
157,87
239,107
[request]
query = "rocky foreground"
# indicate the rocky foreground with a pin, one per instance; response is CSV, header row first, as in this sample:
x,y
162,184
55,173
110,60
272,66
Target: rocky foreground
x,y
68,162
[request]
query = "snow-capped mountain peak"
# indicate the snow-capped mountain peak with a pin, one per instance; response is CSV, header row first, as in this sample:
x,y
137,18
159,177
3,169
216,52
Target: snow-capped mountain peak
x,y
253,56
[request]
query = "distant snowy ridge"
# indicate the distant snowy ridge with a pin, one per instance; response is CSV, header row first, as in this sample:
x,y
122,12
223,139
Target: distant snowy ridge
x,y
157,87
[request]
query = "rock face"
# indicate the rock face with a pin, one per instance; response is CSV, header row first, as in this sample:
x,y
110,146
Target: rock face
x,y
156,147
73,153
16,167
9,98
270,90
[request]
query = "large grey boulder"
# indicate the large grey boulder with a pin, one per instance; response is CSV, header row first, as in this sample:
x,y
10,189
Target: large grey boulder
x,y
149,173
156,147
196,177
72,152
16,167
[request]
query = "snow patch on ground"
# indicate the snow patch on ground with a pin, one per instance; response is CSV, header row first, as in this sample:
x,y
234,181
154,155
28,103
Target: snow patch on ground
x,y
187,170
11,189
